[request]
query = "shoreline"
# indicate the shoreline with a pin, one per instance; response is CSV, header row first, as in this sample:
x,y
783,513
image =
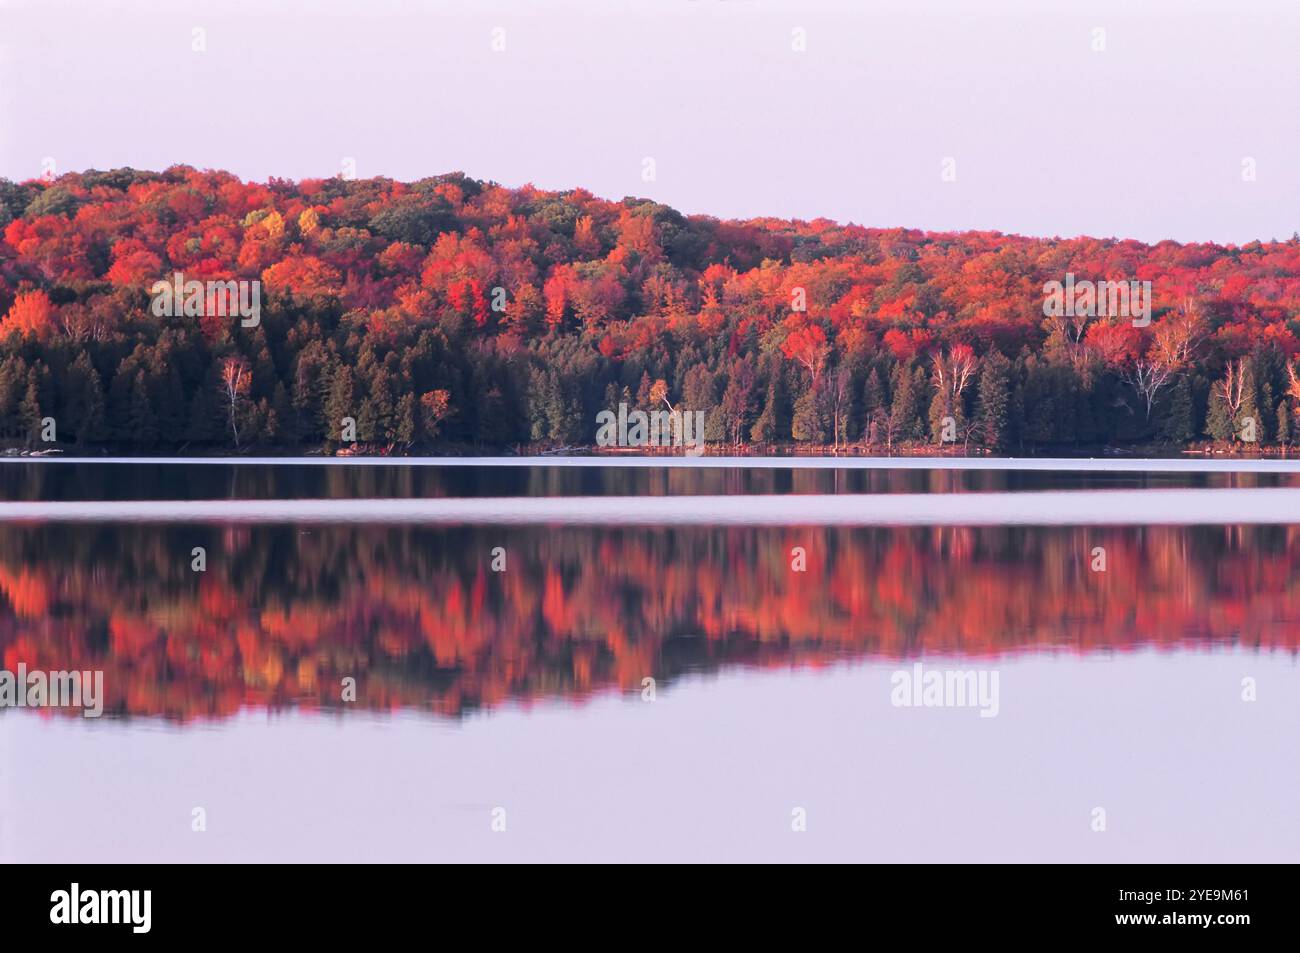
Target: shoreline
x,y
1045,464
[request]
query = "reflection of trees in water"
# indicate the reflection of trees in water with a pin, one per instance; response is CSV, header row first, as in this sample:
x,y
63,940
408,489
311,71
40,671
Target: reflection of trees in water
x,y
417,617
95,481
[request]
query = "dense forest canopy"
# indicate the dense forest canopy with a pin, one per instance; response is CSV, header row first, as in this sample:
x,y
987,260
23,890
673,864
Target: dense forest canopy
x,y
448,313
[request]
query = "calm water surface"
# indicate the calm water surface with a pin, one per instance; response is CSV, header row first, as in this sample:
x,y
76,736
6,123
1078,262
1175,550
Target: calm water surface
x,y
525,690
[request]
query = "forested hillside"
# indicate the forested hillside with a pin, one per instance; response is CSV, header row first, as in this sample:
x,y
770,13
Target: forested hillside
x,y
450,313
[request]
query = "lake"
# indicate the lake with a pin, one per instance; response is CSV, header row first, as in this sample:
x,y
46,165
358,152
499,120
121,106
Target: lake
x,y
735,660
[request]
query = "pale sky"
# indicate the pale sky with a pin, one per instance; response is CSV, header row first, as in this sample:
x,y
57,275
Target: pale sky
x,y
1147,138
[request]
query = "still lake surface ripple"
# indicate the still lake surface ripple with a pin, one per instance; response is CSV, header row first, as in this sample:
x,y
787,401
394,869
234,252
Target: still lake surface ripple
x,y
776,634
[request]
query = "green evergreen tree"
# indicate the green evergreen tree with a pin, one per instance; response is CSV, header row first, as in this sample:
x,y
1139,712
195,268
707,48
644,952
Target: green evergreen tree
x,y
285,418
406,426
84,404
768,428
1218,423
1283,424
808,424
493,415
905,422
207,425
340,404
172,416
1177,422
29,410
268,423
875,410
311,379
142,419
13,382
941,407
992,401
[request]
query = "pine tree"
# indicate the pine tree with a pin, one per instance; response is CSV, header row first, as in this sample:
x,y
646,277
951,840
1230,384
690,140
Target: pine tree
x,y
643,391
93,418
993,398
1218,423
285,418
493,418
610,400
29,411
1268,411
206,422
339,403
310,387
767,429
13,378
562,408
1177,425
84,404
808,424
874,408
905,411
269,422
941,408
141,419
375,415
1283,424
172,410
405,431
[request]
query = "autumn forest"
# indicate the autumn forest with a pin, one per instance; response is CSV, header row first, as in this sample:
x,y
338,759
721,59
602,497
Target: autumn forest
x,y
451,315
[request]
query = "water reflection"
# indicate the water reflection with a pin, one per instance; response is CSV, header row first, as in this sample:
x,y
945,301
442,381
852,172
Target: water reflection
x,y
418,617
54,480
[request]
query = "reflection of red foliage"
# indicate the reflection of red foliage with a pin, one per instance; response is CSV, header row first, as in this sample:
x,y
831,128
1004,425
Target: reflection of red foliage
x,y
26,593
600,610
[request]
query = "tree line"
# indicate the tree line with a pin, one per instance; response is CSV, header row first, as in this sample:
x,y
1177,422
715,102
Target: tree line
x,y
451,313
